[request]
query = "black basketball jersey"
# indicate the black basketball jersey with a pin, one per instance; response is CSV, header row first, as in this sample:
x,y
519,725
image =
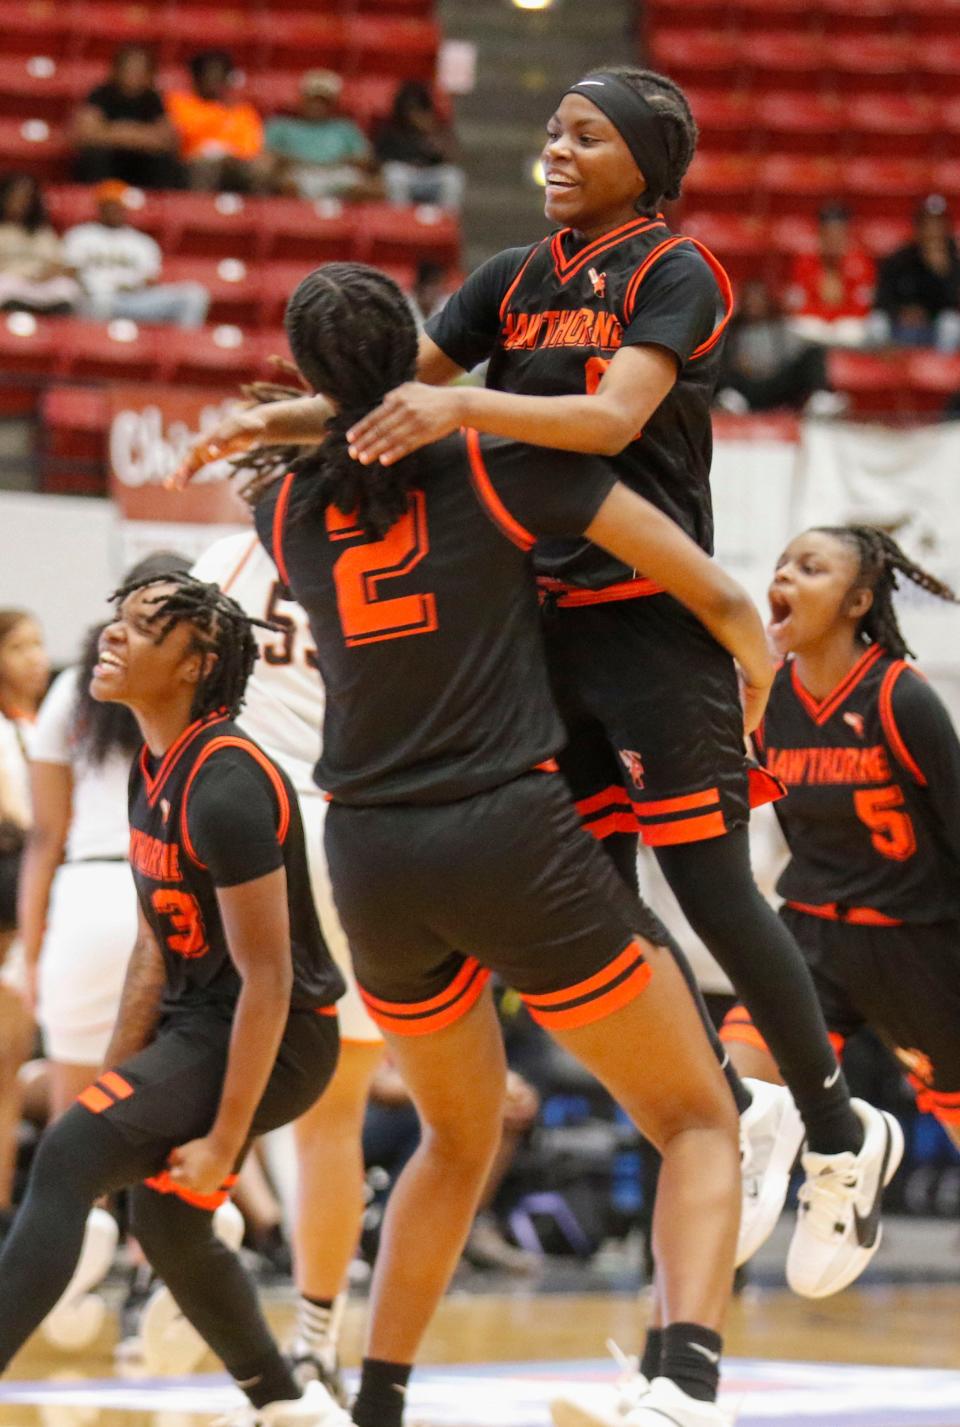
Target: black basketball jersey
x,y
428,640
551,318
872,816
215,811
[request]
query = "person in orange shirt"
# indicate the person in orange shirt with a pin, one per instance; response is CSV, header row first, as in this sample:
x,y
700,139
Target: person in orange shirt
x,y
221,138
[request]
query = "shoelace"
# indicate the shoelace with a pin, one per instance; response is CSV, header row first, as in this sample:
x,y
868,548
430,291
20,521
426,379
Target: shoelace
x,y
826,1201
631,1385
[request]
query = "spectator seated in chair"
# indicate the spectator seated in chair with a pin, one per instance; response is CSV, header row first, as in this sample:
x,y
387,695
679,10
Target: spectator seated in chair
x,y
121,129
34,276
829,292
766,365
417,150
918,291
220,136
318,153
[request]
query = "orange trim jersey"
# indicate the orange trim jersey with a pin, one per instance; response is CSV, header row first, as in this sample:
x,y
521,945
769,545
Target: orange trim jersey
x,y
428,638
551,318
873,779
215,812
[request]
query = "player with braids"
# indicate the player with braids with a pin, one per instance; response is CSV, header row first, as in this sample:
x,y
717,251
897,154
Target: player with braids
x,y
872,888
227,1024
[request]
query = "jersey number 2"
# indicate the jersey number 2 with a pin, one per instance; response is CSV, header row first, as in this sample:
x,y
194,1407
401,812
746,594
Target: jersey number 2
x,y
891,831
366,614
183,912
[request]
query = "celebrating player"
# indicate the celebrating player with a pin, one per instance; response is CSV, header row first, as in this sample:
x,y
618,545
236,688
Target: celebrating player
x,y
227,1026
872,891
605,337
454,851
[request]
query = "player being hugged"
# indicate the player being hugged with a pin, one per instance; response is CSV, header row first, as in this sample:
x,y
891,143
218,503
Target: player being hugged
x,y
227,1025
872,761
453,846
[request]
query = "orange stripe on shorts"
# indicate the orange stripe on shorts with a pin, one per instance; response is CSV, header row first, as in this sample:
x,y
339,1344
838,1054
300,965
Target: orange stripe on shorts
x,y
94,1099
118,1087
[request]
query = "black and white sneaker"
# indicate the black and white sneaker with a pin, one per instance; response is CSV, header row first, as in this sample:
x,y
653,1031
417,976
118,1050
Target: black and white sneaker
x,y
320,1365
838,1220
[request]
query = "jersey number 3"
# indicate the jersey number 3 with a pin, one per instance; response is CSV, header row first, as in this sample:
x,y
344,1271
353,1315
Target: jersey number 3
x,y
891,831
187,937
367,614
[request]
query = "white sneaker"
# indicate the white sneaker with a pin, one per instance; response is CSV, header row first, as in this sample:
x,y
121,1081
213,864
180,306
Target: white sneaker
x,y
170,1345
666,1403
838,1221
771,1133
316,1408
75,1321
604,1408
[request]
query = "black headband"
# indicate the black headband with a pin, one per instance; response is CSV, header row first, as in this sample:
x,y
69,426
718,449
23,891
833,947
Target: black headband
x,y
637,123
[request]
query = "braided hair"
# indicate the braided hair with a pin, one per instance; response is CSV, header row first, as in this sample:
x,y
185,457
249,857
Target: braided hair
x,y
219,627
680,132
880,561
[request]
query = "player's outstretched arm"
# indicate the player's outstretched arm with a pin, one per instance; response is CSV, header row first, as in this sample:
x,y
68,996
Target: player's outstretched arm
x,y
143,988
257,928
646,539
300,421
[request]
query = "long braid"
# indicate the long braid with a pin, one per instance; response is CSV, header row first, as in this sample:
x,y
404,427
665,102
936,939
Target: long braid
x,y
881,560
220,627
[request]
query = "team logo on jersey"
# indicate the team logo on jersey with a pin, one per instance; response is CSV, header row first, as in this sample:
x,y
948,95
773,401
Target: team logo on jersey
x,y
599,281
164,809
855,721
633,764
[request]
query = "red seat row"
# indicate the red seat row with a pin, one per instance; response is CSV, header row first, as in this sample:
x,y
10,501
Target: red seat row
x,y
402,45
763,247
803,59
894,384
831,17
798,184
50,89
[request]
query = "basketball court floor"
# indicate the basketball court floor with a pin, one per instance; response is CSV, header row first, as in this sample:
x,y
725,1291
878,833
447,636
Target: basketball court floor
x,y
883,1356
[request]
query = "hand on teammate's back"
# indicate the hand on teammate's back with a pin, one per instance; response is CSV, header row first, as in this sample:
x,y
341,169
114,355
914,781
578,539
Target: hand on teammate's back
x,y
410,416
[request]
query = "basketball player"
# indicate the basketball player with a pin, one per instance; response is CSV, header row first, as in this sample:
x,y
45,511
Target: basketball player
x,y
872,889
227,1026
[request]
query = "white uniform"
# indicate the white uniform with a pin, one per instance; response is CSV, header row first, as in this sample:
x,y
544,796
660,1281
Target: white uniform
x,y
283,712
92,918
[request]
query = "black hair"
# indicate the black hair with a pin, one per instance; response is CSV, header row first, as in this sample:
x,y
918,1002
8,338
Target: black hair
x,y
104,728
680,132
36,214
880,561
412,94
200,62
134,47
354,338
220,627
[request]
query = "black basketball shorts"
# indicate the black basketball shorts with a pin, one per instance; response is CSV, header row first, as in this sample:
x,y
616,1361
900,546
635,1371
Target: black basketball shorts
x,y
655,730
901,981
433,898
169,1093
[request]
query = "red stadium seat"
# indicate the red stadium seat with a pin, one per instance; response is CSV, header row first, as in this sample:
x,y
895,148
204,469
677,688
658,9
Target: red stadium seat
x,y
407,235
875,122
725,118
71,203
299,39
932,17
186,31
37,85
937,63
221,356
868,62
945,179
26,357
96,29
882,236
793,235
786,60
725,182
934,377
273,91
797,184
741,244
773,14
113,351
273,343
400,46
213,224
235,289
33,145
876,385
74,421
292,229
696,56
859,16
688,12
794,122
885,188
36,27
369,98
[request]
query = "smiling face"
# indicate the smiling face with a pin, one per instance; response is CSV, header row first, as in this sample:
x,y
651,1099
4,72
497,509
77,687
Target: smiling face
x,y
593,181
814,592
140,666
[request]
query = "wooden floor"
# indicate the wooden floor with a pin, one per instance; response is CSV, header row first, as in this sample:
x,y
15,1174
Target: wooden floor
x,y
908,1326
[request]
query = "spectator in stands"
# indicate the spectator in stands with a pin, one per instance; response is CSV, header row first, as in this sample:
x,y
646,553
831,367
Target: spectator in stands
x,y
918,292
766,365
121,129
33,274
830,292
319,153
430,290
417,149
119,267
220,136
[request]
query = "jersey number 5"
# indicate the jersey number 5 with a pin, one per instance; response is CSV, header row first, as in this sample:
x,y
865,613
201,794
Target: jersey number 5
x,y
366,614
891,831
187,937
